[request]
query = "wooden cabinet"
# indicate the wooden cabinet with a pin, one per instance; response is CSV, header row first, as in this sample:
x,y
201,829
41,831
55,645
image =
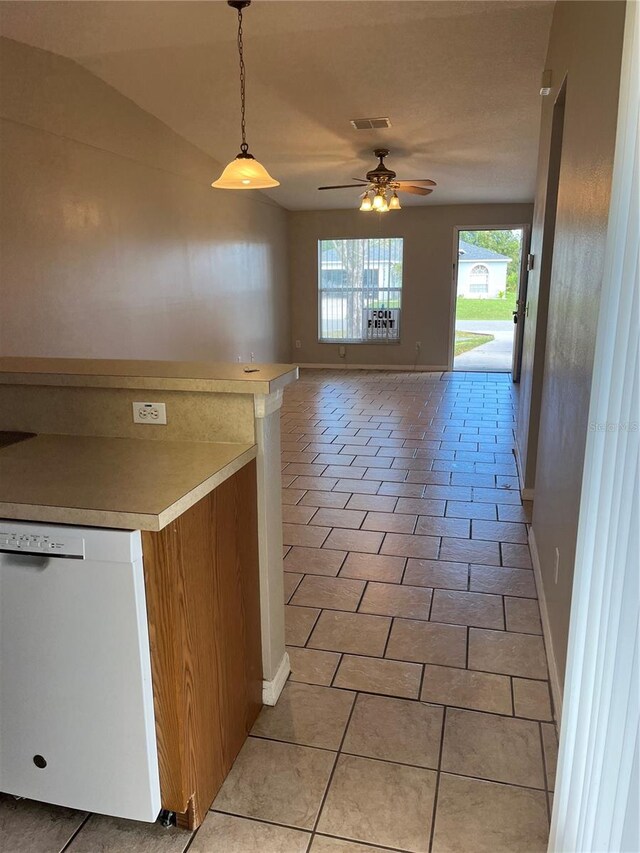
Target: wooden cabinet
x,y
202,584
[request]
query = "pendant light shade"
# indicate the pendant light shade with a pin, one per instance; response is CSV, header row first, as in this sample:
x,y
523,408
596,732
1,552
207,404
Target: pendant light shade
x,y
366,202
245,172
394,204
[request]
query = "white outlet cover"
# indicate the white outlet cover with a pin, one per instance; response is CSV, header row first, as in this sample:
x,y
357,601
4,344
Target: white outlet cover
x,y
149,413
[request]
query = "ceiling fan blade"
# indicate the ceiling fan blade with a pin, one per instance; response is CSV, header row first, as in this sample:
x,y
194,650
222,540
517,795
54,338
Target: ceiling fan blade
x,y
415,190
362,180
341,187
427,182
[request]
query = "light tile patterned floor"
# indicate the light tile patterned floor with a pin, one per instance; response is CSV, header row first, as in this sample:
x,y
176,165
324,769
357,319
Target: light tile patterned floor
x,y
418,715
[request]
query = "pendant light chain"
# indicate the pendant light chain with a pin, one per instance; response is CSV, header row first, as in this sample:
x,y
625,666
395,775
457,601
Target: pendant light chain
x,y
244,147
245,172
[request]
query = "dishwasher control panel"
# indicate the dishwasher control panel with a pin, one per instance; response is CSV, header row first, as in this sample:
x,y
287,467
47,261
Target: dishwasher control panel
x,y
17,542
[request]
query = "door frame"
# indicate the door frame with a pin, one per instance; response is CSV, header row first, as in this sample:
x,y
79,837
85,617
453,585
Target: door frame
x,y
526,242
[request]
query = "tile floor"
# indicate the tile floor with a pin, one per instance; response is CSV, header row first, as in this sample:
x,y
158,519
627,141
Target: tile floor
x,y
418,716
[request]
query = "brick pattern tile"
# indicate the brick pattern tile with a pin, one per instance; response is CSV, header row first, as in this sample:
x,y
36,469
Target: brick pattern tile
x,y
417,508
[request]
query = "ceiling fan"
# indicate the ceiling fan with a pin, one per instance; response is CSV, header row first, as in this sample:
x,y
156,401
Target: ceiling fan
x,y
381,181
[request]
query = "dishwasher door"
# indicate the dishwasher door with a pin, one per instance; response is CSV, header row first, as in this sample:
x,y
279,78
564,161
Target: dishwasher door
x,y
76,702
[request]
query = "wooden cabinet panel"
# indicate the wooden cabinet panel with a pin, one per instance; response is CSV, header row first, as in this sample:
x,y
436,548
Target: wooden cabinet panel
x,y
204,617
163,577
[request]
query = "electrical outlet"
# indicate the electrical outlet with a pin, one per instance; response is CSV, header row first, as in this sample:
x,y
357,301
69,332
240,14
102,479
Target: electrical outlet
x,y
252,356
557,566
342,352
149,413
418,345
239,359
298,344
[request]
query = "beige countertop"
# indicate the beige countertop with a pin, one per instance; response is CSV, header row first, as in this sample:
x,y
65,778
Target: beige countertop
x,y
218,377
135,484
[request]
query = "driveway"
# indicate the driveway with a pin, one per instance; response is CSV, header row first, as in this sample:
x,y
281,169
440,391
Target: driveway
x,y
493,356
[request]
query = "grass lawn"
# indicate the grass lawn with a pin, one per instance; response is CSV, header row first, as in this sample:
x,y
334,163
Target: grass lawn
x,y
466,341
484,309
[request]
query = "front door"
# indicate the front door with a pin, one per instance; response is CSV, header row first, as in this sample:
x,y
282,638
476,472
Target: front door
x,y
520,311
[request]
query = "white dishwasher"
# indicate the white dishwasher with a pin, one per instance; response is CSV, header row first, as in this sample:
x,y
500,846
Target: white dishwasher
x,y
76,701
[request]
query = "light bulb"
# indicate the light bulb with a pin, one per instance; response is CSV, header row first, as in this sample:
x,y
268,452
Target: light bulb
x,y
394,204
378,201
366,202
384,207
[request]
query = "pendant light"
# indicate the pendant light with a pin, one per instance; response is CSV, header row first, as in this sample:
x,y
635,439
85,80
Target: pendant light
x,y
366,202
245,172
394,204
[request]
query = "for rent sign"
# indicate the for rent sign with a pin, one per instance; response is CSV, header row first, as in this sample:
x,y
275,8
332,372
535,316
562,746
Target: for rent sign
x,y
383,324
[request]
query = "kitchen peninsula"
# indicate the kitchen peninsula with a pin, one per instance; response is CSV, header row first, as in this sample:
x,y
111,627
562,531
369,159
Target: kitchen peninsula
x,y
199,496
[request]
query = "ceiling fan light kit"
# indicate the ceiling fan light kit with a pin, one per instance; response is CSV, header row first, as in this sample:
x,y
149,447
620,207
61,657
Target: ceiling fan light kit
x,y
378,201
381,186
245,172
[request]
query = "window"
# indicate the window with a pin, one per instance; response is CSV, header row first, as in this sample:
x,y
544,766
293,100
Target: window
x,y
359,290
479,279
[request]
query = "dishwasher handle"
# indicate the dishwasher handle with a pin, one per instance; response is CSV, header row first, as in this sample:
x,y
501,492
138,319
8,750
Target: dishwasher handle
x,y
22,552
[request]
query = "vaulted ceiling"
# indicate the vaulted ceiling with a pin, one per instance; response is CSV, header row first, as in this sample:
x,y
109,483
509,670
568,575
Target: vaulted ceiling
x,y
459,81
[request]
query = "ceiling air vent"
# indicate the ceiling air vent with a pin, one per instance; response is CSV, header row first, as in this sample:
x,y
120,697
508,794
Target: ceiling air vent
x,y
369,123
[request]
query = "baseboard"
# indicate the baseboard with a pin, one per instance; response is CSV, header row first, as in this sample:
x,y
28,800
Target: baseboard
x,y
401,368
554,676
271,690
525,494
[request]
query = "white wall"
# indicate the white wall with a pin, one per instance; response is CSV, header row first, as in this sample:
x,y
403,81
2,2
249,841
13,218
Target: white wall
x,y
113,243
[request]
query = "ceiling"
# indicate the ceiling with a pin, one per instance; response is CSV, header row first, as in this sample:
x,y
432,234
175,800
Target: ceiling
x,y
459,81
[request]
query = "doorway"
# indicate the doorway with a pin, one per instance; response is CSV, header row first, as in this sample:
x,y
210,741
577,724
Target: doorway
x,y
489,299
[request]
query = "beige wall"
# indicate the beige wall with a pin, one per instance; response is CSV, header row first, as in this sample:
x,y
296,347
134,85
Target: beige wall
x,y
112,243
585,45
428,234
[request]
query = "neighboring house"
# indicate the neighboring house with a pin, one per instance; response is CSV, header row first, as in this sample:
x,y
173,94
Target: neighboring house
x,y
482,273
